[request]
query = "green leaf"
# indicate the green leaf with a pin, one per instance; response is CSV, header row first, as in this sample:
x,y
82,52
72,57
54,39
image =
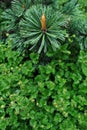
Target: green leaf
x,y
50,85
84,69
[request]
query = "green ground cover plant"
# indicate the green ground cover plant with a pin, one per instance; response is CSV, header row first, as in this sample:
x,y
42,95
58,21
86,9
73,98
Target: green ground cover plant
x,y
43,97
43,65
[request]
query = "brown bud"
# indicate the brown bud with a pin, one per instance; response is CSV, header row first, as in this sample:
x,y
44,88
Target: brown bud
x,y
43,22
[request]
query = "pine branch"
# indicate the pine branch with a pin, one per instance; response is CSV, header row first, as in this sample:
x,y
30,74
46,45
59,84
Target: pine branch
x,y
83,34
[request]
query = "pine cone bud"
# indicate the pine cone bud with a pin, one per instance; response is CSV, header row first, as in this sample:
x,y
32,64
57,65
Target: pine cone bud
x,y
43,22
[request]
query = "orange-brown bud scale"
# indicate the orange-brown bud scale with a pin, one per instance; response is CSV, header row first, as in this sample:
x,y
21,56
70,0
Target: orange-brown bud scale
x,y
43,22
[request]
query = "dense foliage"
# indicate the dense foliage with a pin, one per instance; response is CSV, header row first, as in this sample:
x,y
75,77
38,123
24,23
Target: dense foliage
x,y
38,97
43,67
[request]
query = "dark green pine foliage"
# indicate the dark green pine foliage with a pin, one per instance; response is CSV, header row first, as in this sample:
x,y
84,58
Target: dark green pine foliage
x,y
22,24
30,28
